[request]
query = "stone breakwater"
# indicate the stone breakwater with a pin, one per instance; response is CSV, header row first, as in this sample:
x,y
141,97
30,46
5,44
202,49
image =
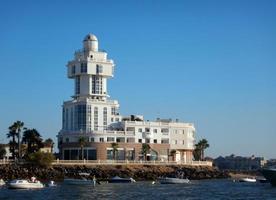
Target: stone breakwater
x,y
103,172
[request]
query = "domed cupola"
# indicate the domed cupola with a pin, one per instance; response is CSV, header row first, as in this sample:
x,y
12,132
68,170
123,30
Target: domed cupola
x,y
90,43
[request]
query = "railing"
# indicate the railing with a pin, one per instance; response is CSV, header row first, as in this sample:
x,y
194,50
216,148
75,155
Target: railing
x,y
130,162
119,162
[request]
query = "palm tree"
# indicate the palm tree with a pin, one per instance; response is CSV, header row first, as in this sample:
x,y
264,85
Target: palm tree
x,y
114,146
18,125
82,143
12,134
32,138
145,150
200,147
49,142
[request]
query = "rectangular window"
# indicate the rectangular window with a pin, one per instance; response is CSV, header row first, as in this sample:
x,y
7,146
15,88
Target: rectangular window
x,y
99,69
97,84
140,140
155,141
183,142
80,117
92,139
140,130
164,141
101,139
110,139
147,140
112,119
113,111
155,130
147,130
83,67
105,118
96,118
77,85
73,70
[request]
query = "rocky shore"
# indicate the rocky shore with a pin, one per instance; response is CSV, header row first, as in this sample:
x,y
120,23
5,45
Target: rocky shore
x,y
103,172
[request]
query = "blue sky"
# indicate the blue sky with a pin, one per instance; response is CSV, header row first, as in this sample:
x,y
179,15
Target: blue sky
x,y
208,62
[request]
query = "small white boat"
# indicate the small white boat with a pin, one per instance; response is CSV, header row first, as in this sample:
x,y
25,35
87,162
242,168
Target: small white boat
x,y
2,182
52,184
24,184
167,180
248,180
117,179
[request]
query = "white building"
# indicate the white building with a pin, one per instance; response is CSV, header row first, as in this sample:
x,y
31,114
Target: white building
x,y
92,115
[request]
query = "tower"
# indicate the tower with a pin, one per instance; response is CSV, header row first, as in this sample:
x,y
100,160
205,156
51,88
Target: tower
x,y
91,109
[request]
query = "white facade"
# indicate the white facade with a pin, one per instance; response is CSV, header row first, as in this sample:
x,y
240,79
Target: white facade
x,y
91,114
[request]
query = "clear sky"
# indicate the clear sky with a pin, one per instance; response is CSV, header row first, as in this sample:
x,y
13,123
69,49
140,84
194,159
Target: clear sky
x,y
212,63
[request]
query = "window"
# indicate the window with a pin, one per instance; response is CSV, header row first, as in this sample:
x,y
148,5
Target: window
x,y
183,131
112,119
110,139
147,130
140,140
96,118
155,141
164,141
165,131
155,130
120,139
117,119
92,139
73,70
147,140
67,140
80,117
183,142
140,130
130,140
99,69
97,83
175,131
83,67
113,111
101,139
105,118
77,85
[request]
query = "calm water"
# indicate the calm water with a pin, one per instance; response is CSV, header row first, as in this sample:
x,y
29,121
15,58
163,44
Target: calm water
x,y
207,189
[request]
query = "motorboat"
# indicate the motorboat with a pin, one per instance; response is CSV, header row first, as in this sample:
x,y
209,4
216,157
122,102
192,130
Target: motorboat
x,y
2,182
82,180
248,180
24,184
76,181
117,179
270,175
168,180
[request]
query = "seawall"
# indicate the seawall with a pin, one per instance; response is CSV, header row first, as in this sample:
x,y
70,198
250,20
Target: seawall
x,y
138,172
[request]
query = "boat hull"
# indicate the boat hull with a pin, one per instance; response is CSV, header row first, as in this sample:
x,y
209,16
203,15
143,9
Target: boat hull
x,y
25,186
173,181
270,175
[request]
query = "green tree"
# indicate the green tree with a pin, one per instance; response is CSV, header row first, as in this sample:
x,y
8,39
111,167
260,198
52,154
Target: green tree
x,y
49,142
41,159
2,151
14,133
82,142
145,150
33,139
114,146
200,148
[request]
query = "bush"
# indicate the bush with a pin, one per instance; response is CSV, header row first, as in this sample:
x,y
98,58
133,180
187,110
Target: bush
x,y
41,159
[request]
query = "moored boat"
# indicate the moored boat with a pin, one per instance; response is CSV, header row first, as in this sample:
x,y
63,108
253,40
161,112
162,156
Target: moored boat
x,y
117,179
168,180
24,184
248,180
270,175
2,182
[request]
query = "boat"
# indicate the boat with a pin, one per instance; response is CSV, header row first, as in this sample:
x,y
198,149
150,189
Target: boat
x,y
76,181
248,180
2,182
117,179
263,180
24,184
168,180
270,175
80,181
52,184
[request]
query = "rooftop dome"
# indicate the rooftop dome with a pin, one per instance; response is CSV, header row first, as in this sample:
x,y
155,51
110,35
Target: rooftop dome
x,y
90,37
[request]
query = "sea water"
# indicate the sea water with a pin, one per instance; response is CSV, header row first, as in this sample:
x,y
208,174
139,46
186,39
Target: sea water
x,y
203,189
